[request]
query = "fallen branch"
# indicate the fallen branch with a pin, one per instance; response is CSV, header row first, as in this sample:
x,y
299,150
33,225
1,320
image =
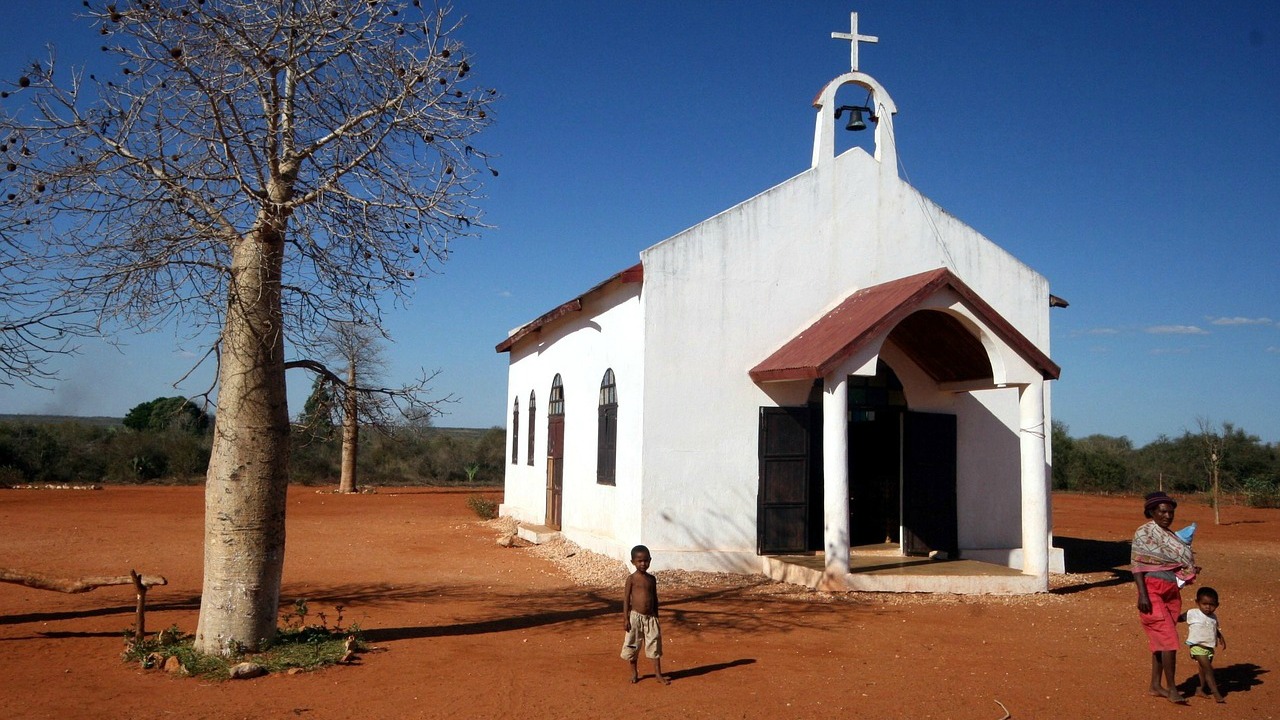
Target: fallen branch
x,y
74,585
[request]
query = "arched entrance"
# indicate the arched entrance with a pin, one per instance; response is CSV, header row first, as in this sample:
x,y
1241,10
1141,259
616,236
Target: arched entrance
x,y
946,342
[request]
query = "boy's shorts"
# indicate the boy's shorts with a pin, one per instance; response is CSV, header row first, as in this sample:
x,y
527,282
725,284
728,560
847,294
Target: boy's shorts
x,y
644,629
1202,651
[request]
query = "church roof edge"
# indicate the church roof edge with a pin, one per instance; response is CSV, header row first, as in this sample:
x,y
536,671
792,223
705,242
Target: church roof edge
x,y
633,274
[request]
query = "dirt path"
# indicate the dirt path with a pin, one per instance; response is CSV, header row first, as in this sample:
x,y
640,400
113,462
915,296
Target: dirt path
x,y
469,629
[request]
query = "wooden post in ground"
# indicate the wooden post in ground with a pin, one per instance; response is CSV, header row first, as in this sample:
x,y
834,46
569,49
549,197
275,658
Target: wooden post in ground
x,y
140,612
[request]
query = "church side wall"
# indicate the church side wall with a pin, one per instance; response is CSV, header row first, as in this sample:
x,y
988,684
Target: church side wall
x,y
605,334
723,295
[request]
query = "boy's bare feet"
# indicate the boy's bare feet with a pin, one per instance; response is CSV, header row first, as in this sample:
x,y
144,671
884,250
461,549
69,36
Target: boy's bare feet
x,y
667,681
1176,697
1219,698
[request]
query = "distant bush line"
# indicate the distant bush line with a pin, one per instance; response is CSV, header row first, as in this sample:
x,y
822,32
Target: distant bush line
x,y
69,451
1248,468
50,450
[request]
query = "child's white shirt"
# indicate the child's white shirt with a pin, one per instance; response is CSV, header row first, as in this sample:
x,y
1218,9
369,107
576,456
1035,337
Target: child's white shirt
x,y
1201,629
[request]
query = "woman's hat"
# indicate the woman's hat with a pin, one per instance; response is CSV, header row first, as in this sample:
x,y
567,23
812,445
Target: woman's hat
x,y
1156,498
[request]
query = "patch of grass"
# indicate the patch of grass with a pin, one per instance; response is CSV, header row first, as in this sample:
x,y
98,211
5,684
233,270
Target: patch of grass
x,y
172,642
297,644
483,507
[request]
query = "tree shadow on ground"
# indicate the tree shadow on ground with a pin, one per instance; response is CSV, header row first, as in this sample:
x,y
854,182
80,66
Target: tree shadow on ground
x,y
188,603
1086,556
706,669
691,610
64,634
362,594
595,607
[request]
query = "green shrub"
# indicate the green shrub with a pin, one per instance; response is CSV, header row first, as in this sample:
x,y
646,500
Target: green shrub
x,y
483,507
1261,492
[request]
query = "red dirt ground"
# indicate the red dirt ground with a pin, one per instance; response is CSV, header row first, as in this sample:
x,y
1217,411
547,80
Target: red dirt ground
x,y
470,629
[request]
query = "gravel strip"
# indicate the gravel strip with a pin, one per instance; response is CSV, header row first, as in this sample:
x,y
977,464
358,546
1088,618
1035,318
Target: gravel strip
x,y
589,569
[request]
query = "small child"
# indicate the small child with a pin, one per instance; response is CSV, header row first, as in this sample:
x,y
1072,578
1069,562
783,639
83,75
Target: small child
x,y
640,615
1203,636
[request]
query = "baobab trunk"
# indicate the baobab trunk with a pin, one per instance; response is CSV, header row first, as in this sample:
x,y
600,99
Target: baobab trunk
x,y
248,473
350,431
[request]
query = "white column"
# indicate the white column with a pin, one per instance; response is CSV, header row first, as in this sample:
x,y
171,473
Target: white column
x,y
1035,487
835,478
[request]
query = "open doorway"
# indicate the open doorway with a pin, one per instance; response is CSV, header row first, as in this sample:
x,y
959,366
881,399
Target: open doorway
x,y
876,408
902,473
902,469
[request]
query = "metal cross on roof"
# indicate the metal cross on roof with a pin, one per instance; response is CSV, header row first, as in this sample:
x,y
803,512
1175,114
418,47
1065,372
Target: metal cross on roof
x,y
854,38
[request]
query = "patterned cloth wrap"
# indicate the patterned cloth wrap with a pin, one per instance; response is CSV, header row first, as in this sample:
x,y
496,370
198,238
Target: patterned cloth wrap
x,y
1159,551
1167,562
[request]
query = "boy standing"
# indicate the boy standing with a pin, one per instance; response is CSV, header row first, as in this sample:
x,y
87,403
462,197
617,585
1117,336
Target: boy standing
x,y
1203,636
640,615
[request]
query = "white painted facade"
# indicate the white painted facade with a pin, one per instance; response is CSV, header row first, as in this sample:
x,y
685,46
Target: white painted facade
x,y
719,298
608,335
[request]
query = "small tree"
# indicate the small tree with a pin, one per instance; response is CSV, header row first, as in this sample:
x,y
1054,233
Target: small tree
x,y
254,169
358,400
171,413
316,420
1211,442
1063,455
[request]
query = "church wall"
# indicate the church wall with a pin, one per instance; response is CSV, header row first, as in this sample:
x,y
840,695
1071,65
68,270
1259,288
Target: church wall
x,y
724,294
605,334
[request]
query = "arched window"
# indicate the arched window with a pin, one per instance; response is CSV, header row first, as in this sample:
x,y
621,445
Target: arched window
x,y
555,426
515,431
607,435
533,404
556,406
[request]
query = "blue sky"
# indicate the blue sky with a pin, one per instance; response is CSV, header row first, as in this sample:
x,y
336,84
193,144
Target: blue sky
x,y
1127,150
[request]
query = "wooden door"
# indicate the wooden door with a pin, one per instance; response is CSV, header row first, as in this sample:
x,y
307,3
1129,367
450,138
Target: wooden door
x,y
929,484
782,501
555,470
874,477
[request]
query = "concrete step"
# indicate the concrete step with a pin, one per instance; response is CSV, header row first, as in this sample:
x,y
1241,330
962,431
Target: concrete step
x,y
537,534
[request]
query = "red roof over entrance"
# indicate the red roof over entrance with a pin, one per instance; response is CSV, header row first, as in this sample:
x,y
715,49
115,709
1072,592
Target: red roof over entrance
x,y
879,309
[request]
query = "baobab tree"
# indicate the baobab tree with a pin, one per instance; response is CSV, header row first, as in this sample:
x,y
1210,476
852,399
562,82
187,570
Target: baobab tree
x,y
353,398
256,170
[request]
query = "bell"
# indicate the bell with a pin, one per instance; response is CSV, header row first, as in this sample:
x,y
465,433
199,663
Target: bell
x,y
856,122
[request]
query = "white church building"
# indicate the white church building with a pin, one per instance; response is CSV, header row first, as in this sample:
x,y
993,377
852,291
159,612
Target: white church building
x,y
834,363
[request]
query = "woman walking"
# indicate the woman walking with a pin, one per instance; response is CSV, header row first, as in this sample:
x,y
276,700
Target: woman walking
x,y
1162,563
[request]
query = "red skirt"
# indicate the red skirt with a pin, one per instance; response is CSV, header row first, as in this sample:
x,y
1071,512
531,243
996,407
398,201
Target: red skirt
x,y
1161,624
